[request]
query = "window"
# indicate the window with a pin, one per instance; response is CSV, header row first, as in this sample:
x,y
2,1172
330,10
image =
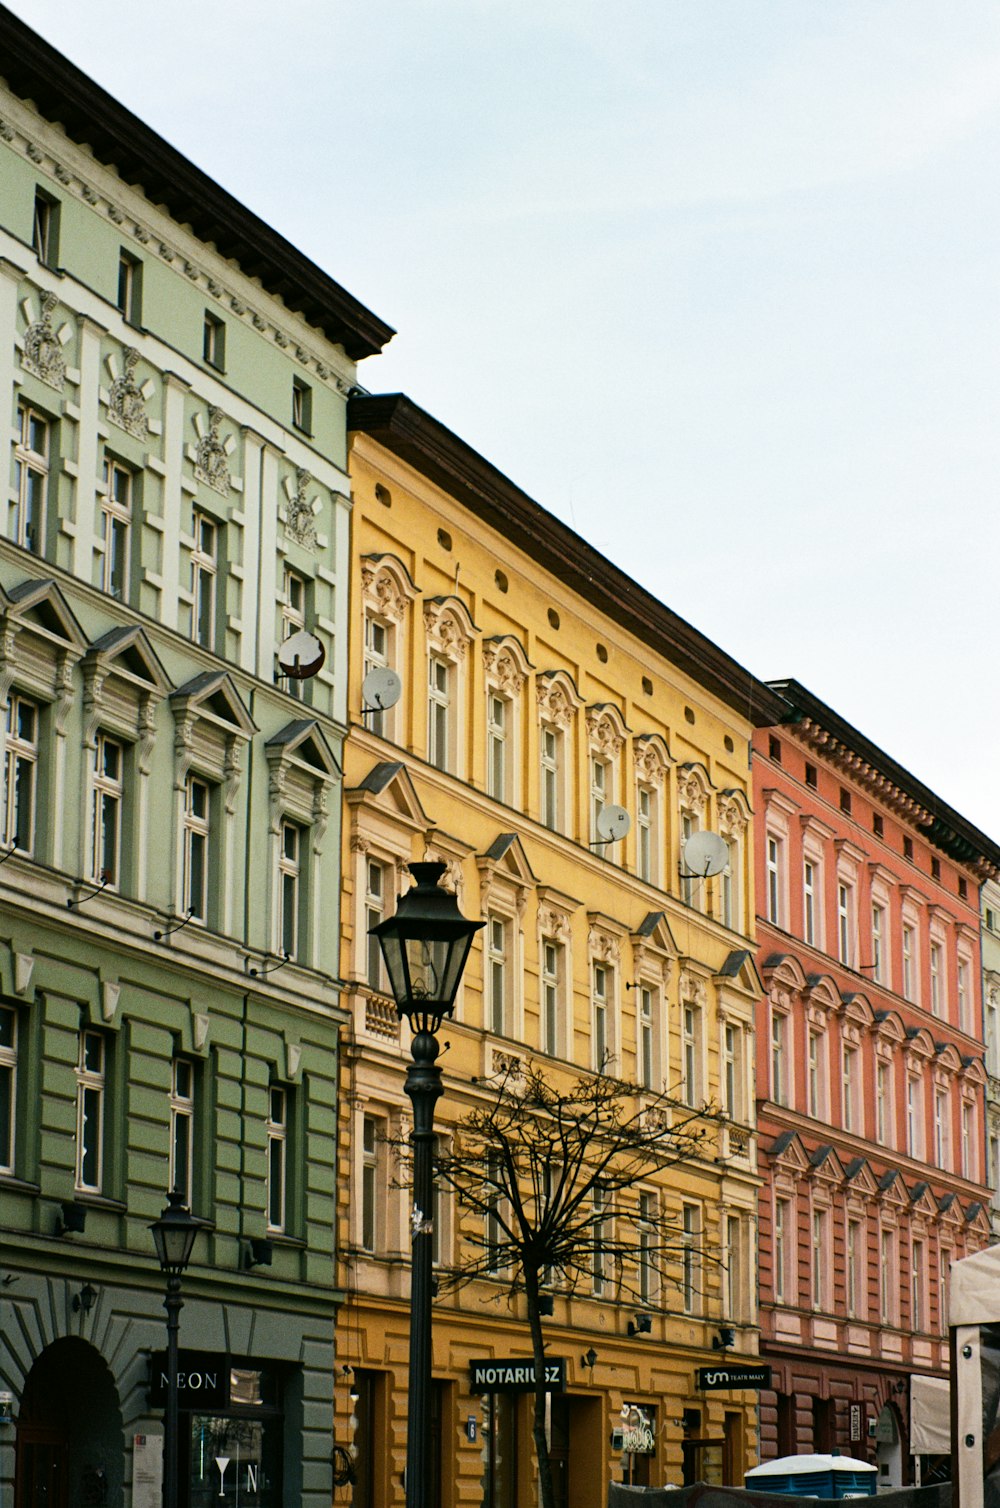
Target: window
x,y
878,825
732,1071
552,976
439,694
377,657
302,405
887,1277
293,618
600,772
936,963
729,884
878,942
647,1224
204,575
116,527
45,228
26,519
645,1040
598,1258
90,1086
820,1258
20,768
816,1077
599,1014
855,1268
8,1086
689,882
214,341
845,923
809,900
497,723
370,1184
732,1299
942,1149
918,1317
644,833
691,1053
690,1258
774,880
849,1070
182,1128
969,1160
883,1105
495,1238
289,887
845,801
106,815
130,287
498,967
908,849
812,777
909,960
914,1110
374,913
277,1158
197,805
774,749
782,1248
551,776
964,998
779,1045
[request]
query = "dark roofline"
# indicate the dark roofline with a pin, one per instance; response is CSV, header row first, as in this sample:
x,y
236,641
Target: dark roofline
x,y
948,829
63,94
408,431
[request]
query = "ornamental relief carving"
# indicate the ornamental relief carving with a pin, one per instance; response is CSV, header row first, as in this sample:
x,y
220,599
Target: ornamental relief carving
x,y
554,705
603,734
691,792
692,988
502,668
649,763
445,635
604,947
301,511
127,399
211,464
42,352
382,594
553,924
732,818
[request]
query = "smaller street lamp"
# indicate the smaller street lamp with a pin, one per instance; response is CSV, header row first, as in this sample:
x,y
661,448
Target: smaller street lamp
x,y
425,946
174,1237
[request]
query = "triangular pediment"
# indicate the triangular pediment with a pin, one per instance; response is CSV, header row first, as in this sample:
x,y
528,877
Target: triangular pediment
x,y
787,1152
825,1165
977,1219
858,1178
892,1189
304,742
506,857
654,933
739,972
43,606
389,786
127,652
922,1201
213,696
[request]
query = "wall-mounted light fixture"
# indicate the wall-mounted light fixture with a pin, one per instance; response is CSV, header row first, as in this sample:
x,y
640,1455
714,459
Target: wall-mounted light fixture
x,y
589,1358
260,1252
546,1304
73,1219
85,1299
641,1325
725,1338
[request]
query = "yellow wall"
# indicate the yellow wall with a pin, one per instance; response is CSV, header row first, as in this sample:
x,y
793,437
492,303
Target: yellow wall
x,y
547,880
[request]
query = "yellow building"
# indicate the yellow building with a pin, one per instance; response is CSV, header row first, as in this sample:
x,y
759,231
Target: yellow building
x,y
540,685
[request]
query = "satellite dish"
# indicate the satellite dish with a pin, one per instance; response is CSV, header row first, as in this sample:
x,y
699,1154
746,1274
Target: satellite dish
x,y
613,822
705,854
301,655
380,689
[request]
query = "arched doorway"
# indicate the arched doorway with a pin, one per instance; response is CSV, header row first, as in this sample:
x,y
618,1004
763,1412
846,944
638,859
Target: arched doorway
x,y
70,1442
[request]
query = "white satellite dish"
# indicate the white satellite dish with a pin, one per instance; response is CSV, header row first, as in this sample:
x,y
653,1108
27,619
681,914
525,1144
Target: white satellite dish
x,y
613,822
301,655
705,854
380,689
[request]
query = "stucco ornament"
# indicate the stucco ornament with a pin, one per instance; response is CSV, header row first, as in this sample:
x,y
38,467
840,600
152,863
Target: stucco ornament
x,y
382,593
691,792
211,464
604,947
692,988
554,704
603,734
300,514
732,817
126,402
445,634
650,766
502,668
42,354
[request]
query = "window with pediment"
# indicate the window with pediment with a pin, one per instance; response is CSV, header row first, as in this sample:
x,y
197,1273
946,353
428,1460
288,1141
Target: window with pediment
x,y
558,701
386,594
604,957
734,817
693,789
449,631
302,768
505,668
555,972
606,732
211,730
505,880
653,954
693,995
651,759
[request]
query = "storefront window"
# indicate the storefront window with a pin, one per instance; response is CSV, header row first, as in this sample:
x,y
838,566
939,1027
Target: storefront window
x,y
499,1450
236,1456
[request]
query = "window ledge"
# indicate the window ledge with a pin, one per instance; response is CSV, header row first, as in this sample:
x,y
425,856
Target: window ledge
x,y
19,1185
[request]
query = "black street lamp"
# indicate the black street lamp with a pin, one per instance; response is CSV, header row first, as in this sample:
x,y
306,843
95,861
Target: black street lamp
x,y
425,947
173,1236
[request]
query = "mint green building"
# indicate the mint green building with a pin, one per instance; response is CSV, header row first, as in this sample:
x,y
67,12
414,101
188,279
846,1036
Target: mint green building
x,y
177,505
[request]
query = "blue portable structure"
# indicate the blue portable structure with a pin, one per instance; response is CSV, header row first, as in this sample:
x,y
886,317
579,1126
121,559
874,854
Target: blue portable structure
x,y
819,1476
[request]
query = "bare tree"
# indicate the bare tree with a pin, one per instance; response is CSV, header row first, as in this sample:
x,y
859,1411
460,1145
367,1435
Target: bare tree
x,y
547,1174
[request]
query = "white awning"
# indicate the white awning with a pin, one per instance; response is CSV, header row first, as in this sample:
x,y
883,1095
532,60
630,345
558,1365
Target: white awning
x,y
974,1289
930,1416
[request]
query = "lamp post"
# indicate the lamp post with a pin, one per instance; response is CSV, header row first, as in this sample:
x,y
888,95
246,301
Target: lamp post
x,y
173,1236
425,947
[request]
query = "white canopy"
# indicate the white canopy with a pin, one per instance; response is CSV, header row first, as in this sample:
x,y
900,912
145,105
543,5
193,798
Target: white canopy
x,y
974,1297
930,1416
797,1464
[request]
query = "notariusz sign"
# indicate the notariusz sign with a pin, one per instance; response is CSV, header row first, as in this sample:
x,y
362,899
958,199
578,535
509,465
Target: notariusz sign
x,y
516,1375
710,1378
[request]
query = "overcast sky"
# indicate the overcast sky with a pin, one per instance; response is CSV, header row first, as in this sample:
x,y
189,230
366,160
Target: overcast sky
x,y
716,281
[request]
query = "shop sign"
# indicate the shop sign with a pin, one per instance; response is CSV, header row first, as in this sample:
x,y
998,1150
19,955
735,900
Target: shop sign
x,y
710,1378
635,1435
516,1375
856,1417
202,1380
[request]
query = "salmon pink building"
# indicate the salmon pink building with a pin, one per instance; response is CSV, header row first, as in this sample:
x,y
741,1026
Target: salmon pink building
x,y
870,1083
